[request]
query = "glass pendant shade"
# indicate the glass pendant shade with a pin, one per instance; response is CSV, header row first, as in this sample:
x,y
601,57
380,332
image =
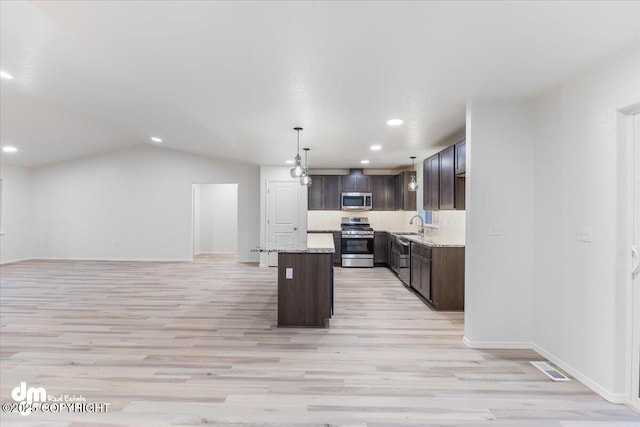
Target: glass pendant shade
x,y
413,183
305,179
297,170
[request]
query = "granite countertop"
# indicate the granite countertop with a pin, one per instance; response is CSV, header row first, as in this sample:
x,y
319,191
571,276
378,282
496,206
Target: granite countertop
x,y
428,240
316,243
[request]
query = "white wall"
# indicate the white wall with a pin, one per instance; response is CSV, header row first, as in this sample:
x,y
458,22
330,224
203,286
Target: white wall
x,y
16,214
499,199
547,168
134,204
280,173
216,213
580,302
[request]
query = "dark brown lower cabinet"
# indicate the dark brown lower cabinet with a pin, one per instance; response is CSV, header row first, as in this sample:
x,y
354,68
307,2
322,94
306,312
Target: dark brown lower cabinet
x,y
421,270
380,247
437,273
337,243
306,298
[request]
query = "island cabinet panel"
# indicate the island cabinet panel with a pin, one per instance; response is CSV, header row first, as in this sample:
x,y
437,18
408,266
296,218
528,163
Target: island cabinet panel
x,y
380,247
431,183
447,179
305,299
337,243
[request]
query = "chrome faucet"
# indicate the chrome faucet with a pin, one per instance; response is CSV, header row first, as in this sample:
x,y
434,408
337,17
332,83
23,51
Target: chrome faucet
x,y
421,224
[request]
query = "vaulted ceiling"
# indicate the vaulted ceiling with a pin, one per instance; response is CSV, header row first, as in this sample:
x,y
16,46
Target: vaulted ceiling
x,y
231,79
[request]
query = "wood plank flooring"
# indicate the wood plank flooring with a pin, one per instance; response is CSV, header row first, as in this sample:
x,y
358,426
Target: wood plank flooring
x,y
183,344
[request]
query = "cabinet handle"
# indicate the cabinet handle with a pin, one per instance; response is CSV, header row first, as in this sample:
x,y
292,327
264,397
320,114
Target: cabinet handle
x,y
635,260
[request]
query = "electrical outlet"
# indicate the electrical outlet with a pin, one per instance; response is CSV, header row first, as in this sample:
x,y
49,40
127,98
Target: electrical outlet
x,y
116,243
495,230
289,273
585,234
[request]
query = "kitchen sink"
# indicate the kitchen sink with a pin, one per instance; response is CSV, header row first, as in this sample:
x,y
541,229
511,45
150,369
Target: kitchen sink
x,y
407,233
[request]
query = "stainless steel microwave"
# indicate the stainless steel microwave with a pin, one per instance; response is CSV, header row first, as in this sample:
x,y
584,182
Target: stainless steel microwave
x,y
356,201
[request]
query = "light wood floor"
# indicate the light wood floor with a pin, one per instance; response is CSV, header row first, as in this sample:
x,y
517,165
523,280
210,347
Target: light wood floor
x,y
185,344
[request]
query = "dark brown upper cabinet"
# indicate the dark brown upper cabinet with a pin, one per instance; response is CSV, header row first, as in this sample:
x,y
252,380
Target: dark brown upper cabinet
x,y
356,182
444,179
431,183
383,192
461,157
447,179
325,192
405,199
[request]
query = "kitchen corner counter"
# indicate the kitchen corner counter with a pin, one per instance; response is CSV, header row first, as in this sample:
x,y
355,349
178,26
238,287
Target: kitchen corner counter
x,y
428,241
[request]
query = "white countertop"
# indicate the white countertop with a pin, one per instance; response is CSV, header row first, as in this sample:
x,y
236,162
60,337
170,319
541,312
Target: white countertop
x,y
320,241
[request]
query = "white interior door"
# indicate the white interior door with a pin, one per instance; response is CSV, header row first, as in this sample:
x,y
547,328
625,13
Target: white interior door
x,y
635,384
282,217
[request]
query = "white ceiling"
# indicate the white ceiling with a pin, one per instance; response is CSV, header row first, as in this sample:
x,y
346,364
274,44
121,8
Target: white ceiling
x,y
231,79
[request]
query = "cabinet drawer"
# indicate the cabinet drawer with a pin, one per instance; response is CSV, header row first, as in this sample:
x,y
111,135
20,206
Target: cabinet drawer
x,y
424,251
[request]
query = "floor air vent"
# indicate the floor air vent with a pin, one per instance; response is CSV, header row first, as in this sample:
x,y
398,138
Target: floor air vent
x,y
550,371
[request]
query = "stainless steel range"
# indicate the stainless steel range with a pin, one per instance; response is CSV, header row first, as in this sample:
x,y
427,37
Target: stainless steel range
x,y
356,242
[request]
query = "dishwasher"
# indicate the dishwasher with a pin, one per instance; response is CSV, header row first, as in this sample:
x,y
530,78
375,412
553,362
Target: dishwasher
x,y
400,259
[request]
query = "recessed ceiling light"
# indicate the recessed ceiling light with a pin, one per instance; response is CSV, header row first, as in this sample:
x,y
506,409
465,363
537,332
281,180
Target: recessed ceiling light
x,y
394,122
156,139
9,149
376,147
289,162
5,75
364,162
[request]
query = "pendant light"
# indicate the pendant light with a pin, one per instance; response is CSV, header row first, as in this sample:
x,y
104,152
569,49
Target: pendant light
x,y
305,179
413,184
296,171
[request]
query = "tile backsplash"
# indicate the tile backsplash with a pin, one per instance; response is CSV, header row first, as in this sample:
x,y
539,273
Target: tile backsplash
x,y
451,223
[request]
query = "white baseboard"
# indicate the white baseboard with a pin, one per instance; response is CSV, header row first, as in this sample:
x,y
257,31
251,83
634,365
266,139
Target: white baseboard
x,y
515,345
11,261
606,394
111,259
497,345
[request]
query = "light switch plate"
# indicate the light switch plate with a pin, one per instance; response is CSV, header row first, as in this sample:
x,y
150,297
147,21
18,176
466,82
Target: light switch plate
x,y
495,230
585,234
289,273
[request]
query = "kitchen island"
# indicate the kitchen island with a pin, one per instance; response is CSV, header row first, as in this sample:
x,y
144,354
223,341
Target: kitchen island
x,y
305,282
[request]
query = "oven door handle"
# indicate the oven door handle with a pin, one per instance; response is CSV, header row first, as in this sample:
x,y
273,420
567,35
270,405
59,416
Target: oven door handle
x,y
357,237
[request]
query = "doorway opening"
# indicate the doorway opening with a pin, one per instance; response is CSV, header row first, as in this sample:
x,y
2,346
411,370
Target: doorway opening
x,y
215,220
